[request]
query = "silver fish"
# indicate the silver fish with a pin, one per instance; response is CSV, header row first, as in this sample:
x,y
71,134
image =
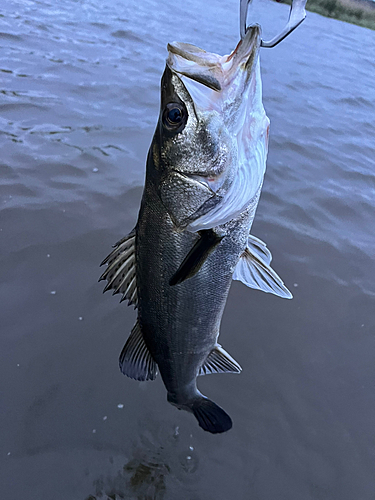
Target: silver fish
x,y
204,174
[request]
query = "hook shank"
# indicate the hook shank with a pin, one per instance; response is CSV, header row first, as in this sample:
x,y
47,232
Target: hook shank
x,y
297,14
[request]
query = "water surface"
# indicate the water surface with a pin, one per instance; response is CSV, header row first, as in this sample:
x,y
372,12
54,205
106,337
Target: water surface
x,y
79,98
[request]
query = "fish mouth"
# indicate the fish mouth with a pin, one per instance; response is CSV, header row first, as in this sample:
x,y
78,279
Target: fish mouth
x,y
213,71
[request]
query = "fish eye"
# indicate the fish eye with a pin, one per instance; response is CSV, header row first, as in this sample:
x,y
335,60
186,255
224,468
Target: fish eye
x,y
174,116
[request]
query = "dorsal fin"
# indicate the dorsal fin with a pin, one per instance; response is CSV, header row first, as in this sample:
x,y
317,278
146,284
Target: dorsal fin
x,y
219,361
135,359
120,273
254,272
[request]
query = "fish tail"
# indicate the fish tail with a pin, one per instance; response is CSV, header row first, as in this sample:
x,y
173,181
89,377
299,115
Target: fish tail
x,y
210,416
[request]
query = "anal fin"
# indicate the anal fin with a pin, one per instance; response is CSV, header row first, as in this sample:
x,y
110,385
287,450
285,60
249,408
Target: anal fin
x,y
219,361
135,359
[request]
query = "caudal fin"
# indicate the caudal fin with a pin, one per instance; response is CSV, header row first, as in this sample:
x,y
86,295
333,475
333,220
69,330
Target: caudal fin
x,y
211,417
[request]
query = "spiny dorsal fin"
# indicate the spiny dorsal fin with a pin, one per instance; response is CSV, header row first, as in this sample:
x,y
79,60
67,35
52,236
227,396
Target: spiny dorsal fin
x,y
254,272
120,272
135,359
258,247
219,361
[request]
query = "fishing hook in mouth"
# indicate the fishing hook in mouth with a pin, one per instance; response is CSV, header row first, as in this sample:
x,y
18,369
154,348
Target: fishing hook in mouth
x,y
297,14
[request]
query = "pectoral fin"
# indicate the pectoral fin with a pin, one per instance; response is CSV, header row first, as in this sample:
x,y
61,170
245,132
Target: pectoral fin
x,y
255,272
135,359
219,361
120,273
258,247
196,257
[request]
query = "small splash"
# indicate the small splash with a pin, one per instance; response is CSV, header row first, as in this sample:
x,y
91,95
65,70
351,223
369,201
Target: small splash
x,y
120,406
105,418
189,462
94,431
53,292
295,285
80,318
48,255
95,169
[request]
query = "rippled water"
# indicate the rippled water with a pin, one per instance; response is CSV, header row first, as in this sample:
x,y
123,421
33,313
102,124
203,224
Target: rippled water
x,y
79,97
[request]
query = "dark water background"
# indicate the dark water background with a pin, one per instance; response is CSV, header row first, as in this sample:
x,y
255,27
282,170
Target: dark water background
x,y
79,97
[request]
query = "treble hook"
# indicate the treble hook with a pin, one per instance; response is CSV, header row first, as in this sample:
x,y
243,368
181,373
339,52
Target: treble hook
x,y
297,14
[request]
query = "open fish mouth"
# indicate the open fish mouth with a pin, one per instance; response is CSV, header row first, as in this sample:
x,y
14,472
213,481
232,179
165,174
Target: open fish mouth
x,y
213,71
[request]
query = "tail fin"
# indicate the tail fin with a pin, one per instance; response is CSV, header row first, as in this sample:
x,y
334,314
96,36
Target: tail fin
x,y
210,416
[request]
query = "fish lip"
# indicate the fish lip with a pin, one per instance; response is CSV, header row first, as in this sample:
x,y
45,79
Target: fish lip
x,y
187,51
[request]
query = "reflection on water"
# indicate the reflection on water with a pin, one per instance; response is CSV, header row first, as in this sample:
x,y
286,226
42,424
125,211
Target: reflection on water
x,y
154,461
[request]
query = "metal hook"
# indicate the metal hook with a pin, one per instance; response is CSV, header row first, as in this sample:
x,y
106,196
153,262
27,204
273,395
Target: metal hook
x,y
297,14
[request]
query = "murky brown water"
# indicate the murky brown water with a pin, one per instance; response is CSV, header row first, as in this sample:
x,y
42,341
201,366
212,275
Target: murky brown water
x,y
79,97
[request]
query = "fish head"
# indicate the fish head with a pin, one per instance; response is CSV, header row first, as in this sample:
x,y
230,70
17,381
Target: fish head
x,y
211,123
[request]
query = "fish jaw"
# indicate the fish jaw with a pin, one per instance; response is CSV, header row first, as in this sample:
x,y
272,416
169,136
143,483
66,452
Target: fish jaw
x,y
225,142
